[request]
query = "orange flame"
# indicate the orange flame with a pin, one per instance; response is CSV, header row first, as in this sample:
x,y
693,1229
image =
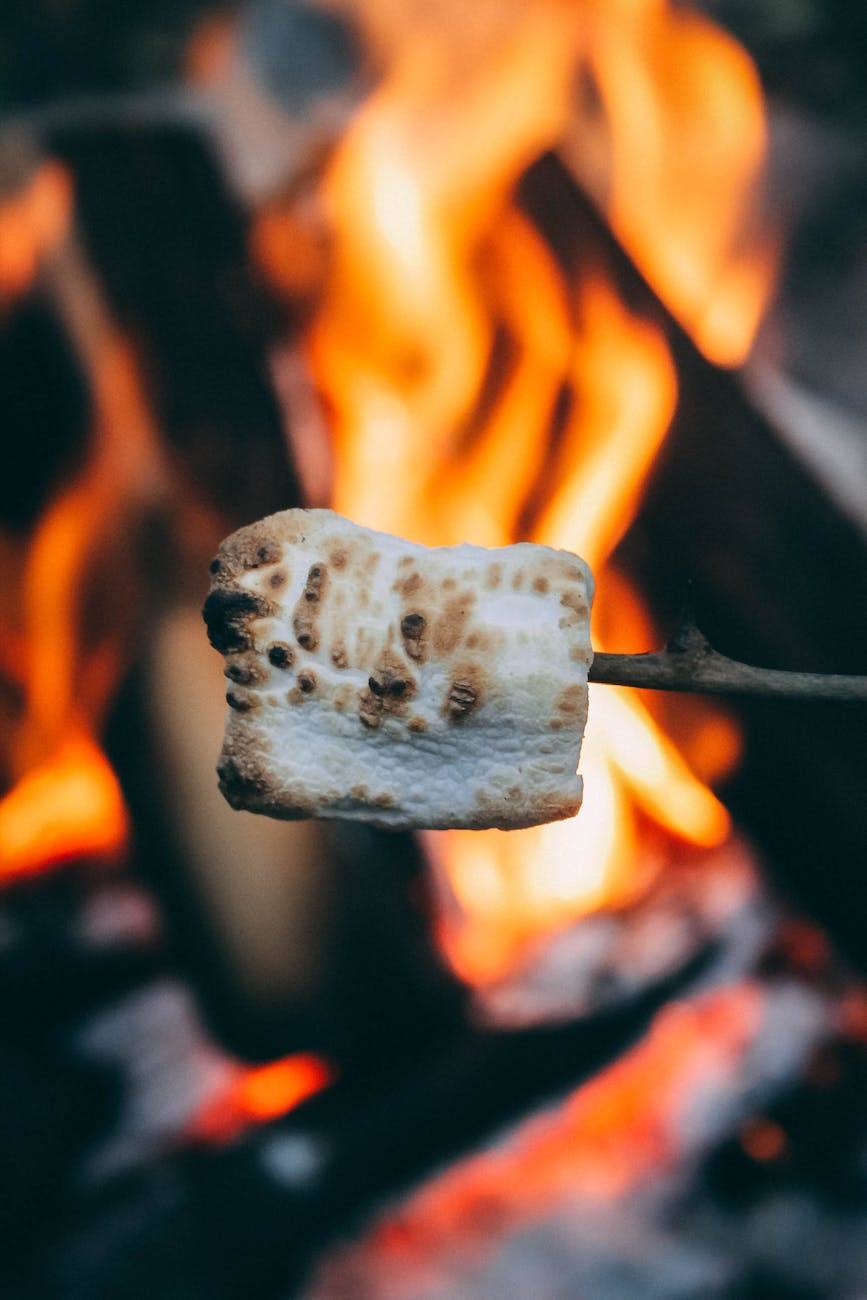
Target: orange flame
x,y
436,274
33,223
684,121
75,607
67,807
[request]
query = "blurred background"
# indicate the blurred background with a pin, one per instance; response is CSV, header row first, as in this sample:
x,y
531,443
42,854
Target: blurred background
x,y
592,275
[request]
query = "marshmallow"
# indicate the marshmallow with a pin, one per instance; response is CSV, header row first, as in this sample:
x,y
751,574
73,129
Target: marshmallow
x,y
374,679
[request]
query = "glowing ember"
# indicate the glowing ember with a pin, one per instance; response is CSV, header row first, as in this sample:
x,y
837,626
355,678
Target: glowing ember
x,y
437,276
263,1093
629,1125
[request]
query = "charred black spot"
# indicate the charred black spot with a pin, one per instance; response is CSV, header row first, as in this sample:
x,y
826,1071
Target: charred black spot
x,y
240,702
398,687
243,674
375,686
227,615
412,626
280,655
215,566
306,682
266,555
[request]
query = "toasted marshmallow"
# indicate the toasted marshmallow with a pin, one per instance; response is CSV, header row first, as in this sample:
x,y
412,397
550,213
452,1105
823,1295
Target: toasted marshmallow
x,y
374,679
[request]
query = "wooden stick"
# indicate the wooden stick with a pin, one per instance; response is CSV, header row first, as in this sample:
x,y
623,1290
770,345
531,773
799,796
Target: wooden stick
x,y
690,663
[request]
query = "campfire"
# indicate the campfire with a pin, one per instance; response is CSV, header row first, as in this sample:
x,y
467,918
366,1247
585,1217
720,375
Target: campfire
x,y
492,278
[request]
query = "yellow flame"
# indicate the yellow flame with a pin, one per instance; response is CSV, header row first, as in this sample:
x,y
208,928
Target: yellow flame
x,y
68,806
685,126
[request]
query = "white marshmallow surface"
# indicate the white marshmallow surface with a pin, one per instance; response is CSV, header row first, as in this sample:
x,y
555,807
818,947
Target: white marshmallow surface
x,y
375,679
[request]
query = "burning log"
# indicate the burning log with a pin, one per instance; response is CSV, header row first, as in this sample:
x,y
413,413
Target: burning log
x,y
377,680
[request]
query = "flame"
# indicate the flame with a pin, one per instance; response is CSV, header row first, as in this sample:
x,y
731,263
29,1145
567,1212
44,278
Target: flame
x,y
77,590
477,394
67,807
33,222
685,126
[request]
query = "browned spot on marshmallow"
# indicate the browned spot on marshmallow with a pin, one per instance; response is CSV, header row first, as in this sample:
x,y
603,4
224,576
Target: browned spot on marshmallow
x,y
409,585
248,548
337,559
493,575
339,657
371,564
245,776
449,584
359,792
417,724
573,600
392,682
464,693
404,561
518,811
307,681
383,800
481,639
243,782
242,701
370,709
412,629
449,627
277,580
571,700
246,670
315,586
281,655
541,584
306,631
296,696
343,698
578,654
